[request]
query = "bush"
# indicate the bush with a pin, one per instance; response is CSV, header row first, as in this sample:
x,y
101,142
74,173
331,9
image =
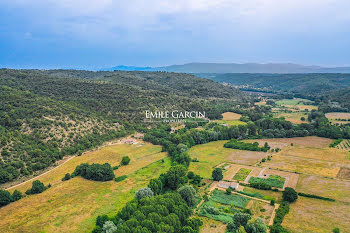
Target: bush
x,y
190,175
120,178
217,174
97,172
289,194
5,198
144,192
109,227
125,160
115,167
37,187
260,185
212,210
336,230
282,210
315,196
66,177
16,195
188,193
229,190
272,202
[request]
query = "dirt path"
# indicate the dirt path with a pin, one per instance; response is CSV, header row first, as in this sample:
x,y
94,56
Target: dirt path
x,y
109,143
50,170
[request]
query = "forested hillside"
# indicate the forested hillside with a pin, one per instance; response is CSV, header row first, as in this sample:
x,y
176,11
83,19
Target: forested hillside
x,y
302,84
45,115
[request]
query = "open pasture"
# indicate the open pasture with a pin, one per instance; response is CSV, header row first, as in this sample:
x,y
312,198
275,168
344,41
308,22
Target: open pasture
x,y
304,165
231,116
310,141
294,117
338,115
325,187
73,205
308,215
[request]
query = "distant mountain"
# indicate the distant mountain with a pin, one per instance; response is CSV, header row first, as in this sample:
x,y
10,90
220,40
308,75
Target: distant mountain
x,y
237,68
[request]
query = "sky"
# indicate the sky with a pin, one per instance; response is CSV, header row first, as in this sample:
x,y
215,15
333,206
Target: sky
x,y
93,34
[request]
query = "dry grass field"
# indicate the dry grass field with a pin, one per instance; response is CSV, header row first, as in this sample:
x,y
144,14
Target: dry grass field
x,y
338,115
294,117
325,187
73,205
311,141
246,157
308,215
260,209
208,226
231,116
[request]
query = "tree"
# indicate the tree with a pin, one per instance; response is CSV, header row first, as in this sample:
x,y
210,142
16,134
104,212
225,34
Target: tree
x,y
98,172
256,226
66,177
229,190
217,174
156,185
289,194
5,197
188,193
37,187
190,175
16,195
125,160
176,176
241,219
109,227
144,192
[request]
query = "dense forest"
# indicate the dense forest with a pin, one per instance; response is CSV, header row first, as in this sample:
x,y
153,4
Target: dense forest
x,y
47,114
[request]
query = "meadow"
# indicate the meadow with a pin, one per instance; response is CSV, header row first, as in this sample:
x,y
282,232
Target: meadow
x,y
73,205
231,119
308,215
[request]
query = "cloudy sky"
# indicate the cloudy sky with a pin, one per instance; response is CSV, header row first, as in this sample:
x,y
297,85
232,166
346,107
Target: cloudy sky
x,y
102,33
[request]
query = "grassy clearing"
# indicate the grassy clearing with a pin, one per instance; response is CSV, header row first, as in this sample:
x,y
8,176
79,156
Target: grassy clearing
x,y
294,117
273,180
317,216
73,205
242,174
209,155
295,101
338,115
208,223
231,116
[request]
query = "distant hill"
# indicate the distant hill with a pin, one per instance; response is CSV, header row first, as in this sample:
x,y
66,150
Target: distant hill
x,y
237,68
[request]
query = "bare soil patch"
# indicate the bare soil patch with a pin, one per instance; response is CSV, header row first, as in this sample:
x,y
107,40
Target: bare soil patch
x,y
338,115
344,173
246,157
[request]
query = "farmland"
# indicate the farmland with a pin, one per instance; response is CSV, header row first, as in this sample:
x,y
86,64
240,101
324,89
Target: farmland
x,y
73,205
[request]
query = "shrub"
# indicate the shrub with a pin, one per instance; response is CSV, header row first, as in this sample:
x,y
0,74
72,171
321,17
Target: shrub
x,y
315,196
97,172
289,194
212,210
272,202
115,167
228,190
260,185
120,178
144,192
256,226
5,197
109,227
16,195
125,160
336,230
66,177
37,187
217,174
190,175
188,193
282,210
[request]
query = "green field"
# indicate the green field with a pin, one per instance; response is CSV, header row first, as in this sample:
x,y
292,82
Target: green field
x,y
232,199
295,101
273,180
209,155
242,174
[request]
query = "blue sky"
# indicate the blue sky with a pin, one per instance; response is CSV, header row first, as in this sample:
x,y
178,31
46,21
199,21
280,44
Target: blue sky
x,y
93,34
